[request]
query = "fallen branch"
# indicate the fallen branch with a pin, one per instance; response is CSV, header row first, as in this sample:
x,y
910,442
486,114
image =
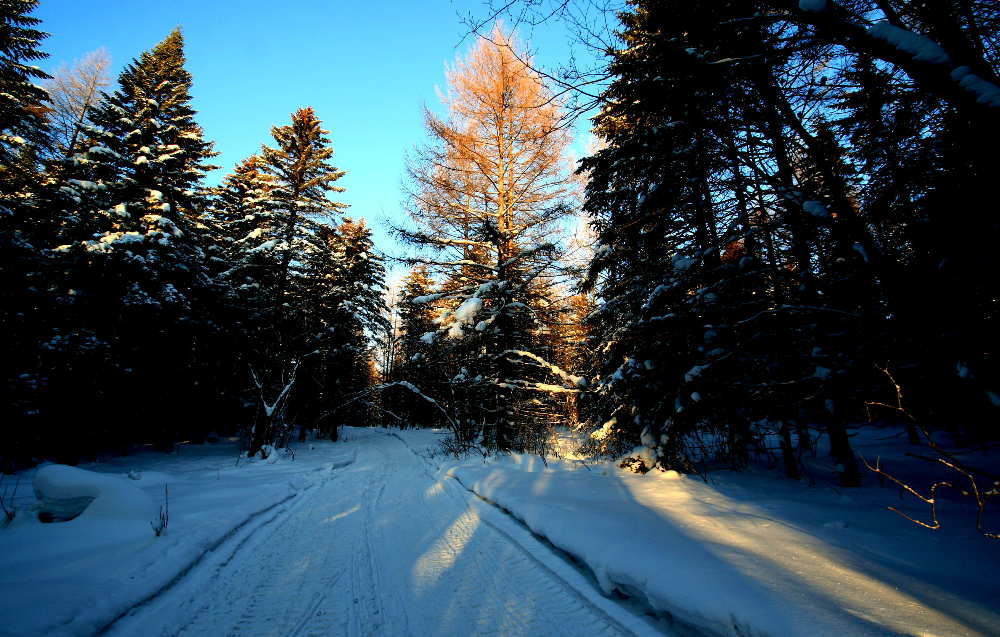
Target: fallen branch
x,y
945,458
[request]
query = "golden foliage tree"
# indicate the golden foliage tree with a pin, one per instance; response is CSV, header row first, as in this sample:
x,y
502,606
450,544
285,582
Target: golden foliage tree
x,y
73,91
487,194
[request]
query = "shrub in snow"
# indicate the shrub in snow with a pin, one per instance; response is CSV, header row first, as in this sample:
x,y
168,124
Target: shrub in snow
x,y
633,464
160,524
7,501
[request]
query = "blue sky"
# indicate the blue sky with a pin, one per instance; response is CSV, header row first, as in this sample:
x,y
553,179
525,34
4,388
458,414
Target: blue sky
x,y
366,67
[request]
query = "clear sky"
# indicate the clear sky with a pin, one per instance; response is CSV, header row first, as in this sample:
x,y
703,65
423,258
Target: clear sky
x,y
366,66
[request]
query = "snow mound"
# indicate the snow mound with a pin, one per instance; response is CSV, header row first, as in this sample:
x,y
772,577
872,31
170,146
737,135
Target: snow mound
x,y
65,493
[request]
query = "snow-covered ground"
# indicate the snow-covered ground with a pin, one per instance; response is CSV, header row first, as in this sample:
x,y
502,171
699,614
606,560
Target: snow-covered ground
x,y
754,553
76,577
361,537
382,534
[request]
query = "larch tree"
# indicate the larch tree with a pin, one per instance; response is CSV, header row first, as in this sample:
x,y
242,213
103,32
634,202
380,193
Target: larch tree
x,y
73,91
487,194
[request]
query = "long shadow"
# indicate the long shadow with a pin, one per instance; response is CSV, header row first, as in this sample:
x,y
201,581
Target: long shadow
x,y
723,551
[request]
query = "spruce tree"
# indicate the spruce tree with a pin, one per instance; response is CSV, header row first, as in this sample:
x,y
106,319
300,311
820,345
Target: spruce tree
x,y
418,362
344,292
131,241
279,222
23,132
24,271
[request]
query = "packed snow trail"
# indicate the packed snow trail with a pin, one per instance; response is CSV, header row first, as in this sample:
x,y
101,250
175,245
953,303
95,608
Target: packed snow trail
x,y
384,548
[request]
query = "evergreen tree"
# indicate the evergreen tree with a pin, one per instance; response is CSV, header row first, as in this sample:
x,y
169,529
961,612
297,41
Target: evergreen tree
x,y
131,245
23,270
418,362
23,133
344,286
276,216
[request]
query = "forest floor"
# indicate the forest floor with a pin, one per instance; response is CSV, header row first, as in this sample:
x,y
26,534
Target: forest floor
x,y
383,534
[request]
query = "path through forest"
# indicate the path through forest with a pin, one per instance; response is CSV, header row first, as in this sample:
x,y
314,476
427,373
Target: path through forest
x,y
383,548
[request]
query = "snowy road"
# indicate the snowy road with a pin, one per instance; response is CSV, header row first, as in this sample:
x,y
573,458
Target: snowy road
x,y
382,548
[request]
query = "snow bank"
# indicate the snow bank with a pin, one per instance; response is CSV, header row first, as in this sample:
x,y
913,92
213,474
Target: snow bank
x,y
751,555
67,492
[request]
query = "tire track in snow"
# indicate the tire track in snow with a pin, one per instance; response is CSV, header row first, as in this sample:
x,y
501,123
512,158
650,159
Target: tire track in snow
x,y
546,557
182,596
381,549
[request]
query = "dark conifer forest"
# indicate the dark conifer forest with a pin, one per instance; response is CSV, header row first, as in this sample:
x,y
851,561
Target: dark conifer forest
x,y
791,234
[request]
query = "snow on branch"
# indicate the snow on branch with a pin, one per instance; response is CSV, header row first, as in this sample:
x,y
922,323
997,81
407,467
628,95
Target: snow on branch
x,y
271,408
578,381
407,385
922,49
544,247
542,387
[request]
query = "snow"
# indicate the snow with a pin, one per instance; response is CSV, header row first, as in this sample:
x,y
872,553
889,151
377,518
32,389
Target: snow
x,y
987,92
163,223
113,238
267,245
573,379
429,298
694,372
64,491
812,5
379,534
921,48
465,314
753,553
373,539
83,184
606,430
103,150
816,209
681,262
75,577
658,290
860,249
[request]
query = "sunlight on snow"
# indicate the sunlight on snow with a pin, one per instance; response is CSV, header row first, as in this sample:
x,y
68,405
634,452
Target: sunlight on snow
x,y
344,514
779,556
435,489
442,554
